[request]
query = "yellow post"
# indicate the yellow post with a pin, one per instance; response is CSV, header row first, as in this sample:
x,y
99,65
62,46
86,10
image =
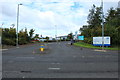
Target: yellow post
x,y
42,48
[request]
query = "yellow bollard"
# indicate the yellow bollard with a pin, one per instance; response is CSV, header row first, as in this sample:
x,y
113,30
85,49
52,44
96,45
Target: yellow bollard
x,y
42,48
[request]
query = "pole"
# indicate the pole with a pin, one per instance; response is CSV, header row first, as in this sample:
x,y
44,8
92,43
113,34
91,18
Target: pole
x,y
17,25
1,35
102,26
56,32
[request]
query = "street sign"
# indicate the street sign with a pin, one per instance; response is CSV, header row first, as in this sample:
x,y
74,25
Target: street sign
x,y
97,41
80,37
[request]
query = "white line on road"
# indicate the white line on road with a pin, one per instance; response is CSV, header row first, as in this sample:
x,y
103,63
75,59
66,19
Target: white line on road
x,y
55,63
3,49
54,68
83,56
101,50
69,43
26,57
50,43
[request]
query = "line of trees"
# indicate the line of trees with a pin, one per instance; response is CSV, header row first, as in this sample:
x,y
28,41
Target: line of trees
x,y
94,28
9,36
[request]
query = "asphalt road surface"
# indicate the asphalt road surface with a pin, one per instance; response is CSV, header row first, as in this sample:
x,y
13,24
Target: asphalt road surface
x,y
59,60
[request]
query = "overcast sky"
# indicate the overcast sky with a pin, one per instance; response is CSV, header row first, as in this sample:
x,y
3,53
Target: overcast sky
x,y
43,15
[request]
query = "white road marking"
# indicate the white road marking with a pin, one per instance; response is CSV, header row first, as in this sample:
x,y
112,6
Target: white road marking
x,y
26,57
3,49
55,63
23,77
69,43
50,43
100,50
12,71
54,68
83,56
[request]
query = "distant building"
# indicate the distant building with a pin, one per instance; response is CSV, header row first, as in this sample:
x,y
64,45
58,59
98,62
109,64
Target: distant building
x,y
119,4
62,38
50,38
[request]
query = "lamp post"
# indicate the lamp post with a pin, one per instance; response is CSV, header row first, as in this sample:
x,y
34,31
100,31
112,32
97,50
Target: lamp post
x,y
17,24
102,25
56,32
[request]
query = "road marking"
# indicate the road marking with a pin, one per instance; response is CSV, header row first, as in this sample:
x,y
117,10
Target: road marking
x,y
11,71
23,77
54,68
3,49
101,50
26,57
55,63
83,56
50,43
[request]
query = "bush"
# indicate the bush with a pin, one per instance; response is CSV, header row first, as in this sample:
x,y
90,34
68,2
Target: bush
x,y
88,40
22,41
9,42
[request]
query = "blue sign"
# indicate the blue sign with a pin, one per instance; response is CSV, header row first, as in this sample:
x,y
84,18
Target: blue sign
x,y
81,37
42,46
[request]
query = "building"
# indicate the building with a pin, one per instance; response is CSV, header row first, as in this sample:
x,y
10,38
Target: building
x,y
62,38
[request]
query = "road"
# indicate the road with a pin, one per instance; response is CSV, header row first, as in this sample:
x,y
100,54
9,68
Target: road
x,y
60,60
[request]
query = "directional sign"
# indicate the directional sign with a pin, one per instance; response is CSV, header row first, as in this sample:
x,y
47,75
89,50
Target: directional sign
x,y
81,37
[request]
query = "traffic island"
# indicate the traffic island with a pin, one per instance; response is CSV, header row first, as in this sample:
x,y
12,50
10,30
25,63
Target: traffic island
x,y
42,50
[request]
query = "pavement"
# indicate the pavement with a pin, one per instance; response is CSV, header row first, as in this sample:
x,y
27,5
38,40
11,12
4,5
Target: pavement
x,y
59,60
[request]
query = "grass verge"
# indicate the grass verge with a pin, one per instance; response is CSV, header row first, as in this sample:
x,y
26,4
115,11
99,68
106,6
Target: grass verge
x,y
82,44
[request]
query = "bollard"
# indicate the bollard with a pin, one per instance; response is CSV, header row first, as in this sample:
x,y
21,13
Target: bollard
x,y
41,48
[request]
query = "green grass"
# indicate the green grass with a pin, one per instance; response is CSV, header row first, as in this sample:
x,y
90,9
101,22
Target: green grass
x,y
82,44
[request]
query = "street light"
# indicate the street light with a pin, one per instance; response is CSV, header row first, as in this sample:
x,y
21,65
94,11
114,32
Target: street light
x,y
56,32
17,24
102,25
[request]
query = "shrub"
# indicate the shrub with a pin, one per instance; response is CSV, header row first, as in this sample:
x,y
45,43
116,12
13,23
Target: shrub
x,y
9,42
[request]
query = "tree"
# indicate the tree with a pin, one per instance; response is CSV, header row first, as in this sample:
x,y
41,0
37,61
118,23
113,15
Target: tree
x,y
94,17
47,38
70,36
9,36
36,36
31,32
112,25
